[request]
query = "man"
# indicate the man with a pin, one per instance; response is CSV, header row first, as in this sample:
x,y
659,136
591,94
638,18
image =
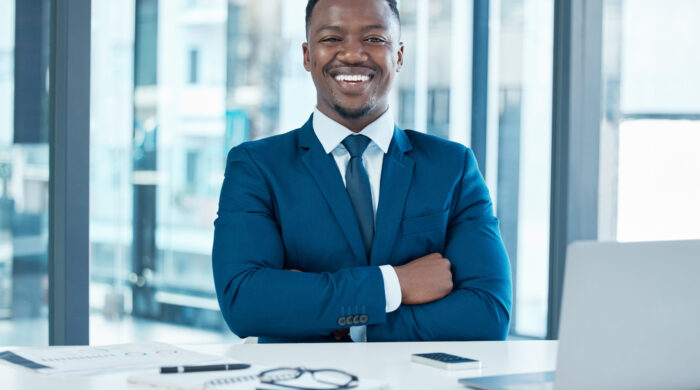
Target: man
x,y
350,228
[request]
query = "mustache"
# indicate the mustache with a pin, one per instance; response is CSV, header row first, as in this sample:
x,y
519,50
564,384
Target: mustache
x,y
342,65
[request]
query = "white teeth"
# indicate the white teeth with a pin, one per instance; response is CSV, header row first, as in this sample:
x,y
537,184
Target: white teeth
x,y
352,77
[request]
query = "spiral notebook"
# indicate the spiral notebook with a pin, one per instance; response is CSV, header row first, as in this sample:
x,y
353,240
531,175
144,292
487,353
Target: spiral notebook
x,y
221,380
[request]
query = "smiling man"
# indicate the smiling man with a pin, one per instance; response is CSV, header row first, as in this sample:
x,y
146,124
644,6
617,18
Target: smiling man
x,y
350,228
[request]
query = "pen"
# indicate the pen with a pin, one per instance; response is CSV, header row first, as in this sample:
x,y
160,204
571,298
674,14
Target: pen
x,y
211,367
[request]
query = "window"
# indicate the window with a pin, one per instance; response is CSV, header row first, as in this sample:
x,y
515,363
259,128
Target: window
x,y
433,89
518,161
650,133
157,150
162,123
158,146
176,84
24,173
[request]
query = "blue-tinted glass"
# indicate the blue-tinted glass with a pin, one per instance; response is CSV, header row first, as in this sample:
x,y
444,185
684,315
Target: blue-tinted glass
x,y
519,174
651,128
24,172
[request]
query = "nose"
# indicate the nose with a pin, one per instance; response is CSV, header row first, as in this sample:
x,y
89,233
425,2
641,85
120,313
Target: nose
x,y
352,52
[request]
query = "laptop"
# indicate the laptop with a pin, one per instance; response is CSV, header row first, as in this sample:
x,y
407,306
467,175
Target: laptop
x,y
630,320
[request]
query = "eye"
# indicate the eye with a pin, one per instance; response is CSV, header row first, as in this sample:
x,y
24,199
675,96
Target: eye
x,y
330,39
376,40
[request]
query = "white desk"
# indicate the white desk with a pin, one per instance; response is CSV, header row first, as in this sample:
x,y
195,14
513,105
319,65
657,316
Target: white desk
x,y
387,361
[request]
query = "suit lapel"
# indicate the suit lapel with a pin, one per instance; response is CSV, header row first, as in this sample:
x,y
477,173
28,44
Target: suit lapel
x,y
324,170
397,172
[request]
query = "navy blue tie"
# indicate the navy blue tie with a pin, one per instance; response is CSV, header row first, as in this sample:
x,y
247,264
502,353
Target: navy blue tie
x,y
357,185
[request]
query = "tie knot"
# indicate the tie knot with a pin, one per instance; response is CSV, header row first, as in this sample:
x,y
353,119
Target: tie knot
x,y
356,144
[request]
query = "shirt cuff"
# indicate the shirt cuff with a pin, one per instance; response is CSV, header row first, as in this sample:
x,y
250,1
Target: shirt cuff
x,y
358,334
392,288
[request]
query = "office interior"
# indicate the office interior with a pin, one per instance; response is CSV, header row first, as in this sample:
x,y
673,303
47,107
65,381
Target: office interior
x,y
584,118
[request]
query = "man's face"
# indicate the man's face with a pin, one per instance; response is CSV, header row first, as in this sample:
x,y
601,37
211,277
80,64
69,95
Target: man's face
x,y
353,53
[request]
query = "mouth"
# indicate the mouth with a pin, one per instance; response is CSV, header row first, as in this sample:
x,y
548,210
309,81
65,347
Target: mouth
x,y
352,78
352,81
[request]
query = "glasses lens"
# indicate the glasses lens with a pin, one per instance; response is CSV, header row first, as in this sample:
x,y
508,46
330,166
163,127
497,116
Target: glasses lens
x,y
332,377
278,375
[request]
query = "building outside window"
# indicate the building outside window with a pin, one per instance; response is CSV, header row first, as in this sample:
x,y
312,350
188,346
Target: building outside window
x,y
24,172
650,133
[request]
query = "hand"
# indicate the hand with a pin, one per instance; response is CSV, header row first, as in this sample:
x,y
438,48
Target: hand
x,y
425,279
341,334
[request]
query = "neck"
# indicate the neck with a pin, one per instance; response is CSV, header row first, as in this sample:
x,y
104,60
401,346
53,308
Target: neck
x,y
354,125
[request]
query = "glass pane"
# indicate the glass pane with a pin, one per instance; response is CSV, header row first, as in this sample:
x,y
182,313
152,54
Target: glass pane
x,y
157,155
433,89
518,168
24,172
650,135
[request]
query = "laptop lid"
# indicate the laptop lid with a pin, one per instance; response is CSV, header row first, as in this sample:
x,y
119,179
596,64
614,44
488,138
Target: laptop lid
x,y
630,316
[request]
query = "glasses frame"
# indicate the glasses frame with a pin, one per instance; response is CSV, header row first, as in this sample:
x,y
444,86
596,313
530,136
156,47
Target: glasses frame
x,y
352,382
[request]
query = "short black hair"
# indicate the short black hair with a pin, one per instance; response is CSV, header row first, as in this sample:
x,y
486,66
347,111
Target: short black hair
x,y
312,3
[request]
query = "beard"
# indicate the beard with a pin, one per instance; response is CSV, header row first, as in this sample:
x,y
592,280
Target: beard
x,y
352,114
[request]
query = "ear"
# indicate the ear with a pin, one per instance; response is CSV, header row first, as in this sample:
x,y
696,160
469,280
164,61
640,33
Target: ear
x,y
399,59
307,59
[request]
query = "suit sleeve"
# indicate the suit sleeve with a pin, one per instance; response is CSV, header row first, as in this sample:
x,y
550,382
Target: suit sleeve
x,y
256,295
479,306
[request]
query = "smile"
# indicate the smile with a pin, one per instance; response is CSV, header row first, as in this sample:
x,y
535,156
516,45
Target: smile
x,y
352,78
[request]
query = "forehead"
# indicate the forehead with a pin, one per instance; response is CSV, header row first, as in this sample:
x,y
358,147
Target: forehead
x,y
351,13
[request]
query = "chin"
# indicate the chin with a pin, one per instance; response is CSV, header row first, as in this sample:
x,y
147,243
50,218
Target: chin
x,y
352,113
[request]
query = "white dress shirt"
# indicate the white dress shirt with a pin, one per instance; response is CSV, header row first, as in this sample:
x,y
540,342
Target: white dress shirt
x,y
331,134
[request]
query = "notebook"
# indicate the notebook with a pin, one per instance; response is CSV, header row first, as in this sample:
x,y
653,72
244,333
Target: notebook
x,y
239,380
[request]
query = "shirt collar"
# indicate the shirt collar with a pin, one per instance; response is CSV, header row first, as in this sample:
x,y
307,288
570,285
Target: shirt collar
x,y
332,133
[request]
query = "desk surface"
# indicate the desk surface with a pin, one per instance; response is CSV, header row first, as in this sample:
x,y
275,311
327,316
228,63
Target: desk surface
x,y
382,361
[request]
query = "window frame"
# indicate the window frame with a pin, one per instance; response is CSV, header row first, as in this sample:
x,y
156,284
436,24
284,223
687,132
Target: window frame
x,y
69,169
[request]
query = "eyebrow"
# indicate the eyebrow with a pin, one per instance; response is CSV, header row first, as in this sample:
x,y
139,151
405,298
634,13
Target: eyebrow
x,y
365,28
375,27
324,28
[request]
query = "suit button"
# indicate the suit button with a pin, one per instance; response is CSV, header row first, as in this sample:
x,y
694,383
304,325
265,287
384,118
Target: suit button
x,y
364,318
341,321
348,320
356,319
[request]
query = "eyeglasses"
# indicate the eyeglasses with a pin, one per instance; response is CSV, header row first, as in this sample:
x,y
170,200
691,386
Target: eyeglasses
x,y
323,379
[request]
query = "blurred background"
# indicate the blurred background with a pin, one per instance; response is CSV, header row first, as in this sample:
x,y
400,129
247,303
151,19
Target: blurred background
x,y
175,84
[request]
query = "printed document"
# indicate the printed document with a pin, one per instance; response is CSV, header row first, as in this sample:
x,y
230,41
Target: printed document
x,y
91,360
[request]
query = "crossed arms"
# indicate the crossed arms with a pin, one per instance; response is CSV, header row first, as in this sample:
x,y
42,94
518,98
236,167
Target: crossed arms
x,y
467,297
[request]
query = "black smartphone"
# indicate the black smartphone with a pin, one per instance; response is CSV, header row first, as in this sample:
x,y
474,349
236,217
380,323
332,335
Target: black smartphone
x,y
445,361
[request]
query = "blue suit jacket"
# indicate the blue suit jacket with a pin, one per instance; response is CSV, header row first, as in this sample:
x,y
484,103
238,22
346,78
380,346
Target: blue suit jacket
x,y
283,206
